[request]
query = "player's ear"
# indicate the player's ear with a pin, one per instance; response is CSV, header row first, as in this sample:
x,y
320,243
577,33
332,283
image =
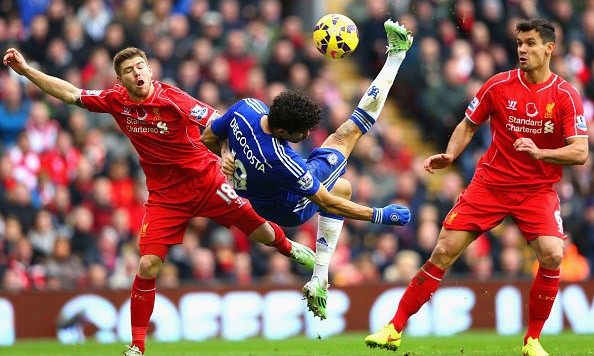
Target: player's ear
x,y
550,48
119,79
150,70
278,132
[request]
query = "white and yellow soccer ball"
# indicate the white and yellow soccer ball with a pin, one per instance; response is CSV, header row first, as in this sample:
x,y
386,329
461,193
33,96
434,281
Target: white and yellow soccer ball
x,y
336,36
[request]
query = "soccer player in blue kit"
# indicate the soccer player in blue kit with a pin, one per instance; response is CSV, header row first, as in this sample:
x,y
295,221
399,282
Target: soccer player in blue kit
x,y
284,188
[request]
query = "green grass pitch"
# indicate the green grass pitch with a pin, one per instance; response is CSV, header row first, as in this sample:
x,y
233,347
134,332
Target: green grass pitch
x,y
471,343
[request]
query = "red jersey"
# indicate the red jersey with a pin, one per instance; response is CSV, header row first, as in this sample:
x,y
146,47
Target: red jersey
x,y
548,113
164,130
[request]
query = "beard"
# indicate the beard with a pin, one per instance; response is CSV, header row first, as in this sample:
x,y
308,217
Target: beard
x,y
139,92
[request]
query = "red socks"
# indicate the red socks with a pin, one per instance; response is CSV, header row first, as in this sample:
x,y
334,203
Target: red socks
x,y
419,291
142,301
280,240
542,296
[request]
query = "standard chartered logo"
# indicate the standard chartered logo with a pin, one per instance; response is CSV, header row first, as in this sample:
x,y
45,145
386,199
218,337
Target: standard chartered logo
x,y
530,126
138,126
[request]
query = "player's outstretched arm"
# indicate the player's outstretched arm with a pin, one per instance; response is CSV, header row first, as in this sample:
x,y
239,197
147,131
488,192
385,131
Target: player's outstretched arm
x,y
460,139
389,215
55,87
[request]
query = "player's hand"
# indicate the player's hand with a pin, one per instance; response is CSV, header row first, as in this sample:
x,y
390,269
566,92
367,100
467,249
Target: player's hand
x,y
525,144
391,215
15,60
228,164
437,161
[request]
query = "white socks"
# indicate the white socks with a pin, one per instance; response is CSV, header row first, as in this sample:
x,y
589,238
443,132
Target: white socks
x,y
327,239
373,101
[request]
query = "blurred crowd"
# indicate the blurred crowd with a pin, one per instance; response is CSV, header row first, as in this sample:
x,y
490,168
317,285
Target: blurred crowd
x,y
72,192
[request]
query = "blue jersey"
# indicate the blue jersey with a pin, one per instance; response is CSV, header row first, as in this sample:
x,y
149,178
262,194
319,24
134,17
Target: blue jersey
x,y
268,172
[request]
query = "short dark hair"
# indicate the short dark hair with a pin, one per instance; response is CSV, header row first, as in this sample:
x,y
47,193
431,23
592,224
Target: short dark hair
x,y
544,28
126,54
294,111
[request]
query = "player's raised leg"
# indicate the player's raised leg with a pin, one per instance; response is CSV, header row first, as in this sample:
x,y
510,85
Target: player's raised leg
x,y
343,140
372,102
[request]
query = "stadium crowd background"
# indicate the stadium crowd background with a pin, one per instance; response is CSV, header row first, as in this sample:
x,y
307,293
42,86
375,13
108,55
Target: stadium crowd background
x,y
71,189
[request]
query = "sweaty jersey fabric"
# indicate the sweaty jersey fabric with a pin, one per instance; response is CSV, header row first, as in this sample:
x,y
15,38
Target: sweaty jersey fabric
x,y
268,171
548,113
164,130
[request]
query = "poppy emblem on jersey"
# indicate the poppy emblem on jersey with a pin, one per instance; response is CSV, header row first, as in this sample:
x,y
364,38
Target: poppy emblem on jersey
x,y
531,110
580,121
141,113
473,104
306,182
549,113
332,158
199,112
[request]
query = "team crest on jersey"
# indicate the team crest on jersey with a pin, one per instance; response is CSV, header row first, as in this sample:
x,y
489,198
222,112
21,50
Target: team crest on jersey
x,y
549,108
332,158
93,92
306,182
473,104
199,112
580,121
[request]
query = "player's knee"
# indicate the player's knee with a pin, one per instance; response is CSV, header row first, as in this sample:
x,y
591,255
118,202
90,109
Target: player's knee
x,y
148,266
552,259
442,256
345,136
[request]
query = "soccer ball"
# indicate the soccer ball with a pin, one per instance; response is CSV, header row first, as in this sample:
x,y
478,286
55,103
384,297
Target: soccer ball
x,y
336,36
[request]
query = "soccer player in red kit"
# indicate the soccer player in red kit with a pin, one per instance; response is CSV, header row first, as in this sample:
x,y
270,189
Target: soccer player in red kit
x,y
538,126
183,177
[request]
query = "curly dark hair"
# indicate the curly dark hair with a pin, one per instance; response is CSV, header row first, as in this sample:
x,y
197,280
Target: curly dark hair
x,y
544,28
294,112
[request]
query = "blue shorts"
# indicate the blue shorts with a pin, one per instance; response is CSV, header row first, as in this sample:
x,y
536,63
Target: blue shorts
x,y
326,164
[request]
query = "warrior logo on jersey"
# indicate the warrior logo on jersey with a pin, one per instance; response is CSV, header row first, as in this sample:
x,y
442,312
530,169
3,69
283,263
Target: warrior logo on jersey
x,y
199,112
531,110
473,104
306,182
580,121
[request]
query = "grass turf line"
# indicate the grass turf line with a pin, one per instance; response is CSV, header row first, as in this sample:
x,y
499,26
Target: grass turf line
x,y
471,343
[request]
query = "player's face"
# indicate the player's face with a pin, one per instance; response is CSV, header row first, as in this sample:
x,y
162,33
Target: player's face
x,y
136,77
533,52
